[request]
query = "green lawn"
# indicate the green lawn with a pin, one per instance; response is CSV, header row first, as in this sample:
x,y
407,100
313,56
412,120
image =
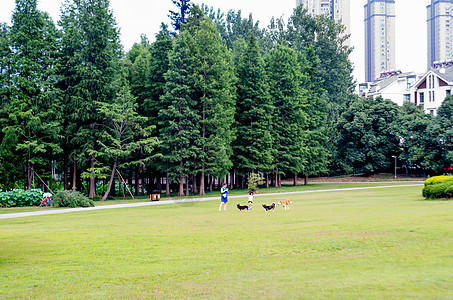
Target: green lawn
x,y
365,244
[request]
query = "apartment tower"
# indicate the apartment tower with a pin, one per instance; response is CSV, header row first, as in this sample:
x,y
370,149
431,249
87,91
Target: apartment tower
x,y
338,10
440,37
380,51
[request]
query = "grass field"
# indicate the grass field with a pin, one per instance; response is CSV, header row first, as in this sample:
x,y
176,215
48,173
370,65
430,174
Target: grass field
x,y
364,244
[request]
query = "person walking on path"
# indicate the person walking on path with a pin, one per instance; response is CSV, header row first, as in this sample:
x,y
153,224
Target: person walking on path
x,y
224,196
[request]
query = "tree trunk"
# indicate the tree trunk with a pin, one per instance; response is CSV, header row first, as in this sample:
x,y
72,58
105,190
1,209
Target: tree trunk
x,y
306,179
267,181
65,171
112,175
194,184
92,192
74,175
211,183
137,180
295,179
187,187
202,184
181,186
167,185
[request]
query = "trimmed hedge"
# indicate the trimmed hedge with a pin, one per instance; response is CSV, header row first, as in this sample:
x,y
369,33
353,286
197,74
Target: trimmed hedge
x,y
438,191
438,179
19,197
66,198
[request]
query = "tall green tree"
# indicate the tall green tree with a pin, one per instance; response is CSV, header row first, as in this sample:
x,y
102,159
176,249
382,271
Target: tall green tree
x,y
125,133
34,104
290,116
89,64
252,150
442,129
180,16
315,137
180,122
10,161
159,64
368,136
420,149
5,65
215,93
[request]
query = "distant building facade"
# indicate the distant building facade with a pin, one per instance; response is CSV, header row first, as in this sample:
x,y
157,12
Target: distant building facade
x,y
338,10
440,35
395,86
380,53
432,88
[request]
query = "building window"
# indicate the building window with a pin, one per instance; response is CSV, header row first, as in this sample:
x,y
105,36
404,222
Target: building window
x,y
407,98
448,92
422,98
431,111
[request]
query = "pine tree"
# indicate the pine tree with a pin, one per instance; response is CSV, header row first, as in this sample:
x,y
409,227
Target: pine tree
x,y
290,116
180,16
159,64
179,125
215,96
315,139
124,133
252,150
5,65
34,107
89,65
10,163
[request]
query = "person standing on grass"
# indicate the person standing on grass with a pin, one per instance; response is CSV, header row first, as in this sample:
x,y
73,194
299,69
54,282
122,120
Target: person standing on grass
x,y
250,199
224,196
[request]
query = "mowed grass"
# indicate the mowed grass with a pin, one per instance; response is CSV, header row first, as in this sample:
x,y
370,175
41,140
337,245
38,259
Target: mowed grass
x,y
363,244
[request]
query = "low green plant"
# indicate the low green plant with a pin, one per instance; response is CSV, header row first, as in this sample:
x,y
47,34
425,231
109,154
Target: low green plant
x,y
71,198
19,197
438,191
438,179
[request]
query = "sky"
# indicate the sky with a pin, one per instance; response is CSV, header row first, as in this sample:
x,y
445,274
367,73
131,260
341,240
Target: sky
x,y
135,17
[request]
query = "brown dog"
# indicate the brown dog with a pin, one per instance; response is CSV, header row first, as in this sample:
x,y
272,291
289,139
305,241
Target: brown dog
x,y
285,204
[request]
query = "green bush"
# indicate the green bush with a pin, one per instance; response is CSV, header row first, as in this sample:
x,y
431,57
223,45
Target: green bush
x,y
18,197
438,179
438,191
65,198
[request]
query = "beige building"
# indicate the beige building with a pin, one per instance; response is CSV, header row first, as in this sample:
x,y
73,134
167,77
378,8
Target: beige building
x,y
338,10
380,54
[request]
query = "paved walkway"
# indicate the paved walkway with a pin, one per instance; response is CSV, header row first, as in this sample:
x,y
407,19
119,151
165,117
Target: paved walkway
x,y
188,200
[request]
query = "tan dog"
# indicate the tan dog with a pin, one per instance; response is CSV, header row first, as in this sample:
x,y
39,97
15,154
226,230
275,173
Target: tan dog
x,y
285,204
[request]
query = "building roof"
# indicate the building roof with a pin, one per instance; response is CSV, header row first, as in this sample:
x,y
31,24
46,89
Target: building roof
x,y
444,73
381,84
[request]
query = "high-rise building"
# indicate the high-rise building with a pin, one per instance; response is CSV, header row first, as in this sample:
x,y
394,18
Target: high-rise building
x,y
379,38
440,36
338,10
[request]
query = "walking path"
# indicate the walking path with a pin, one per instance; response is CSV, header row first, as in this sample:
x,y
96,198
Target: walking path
x,y
166,202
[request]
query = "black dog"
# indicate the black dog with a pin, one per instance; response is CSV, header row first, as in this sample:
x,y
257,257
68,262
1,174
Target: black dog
x,y
242,207
269,207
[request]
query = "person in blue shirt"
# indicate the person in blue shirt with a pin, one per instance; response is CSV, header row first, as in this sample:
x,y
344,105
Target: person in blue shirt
x,y
224,197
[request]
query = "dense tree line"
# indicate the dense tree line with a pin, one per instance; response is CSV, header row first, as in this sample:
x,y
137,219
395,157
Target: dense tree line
x,y
215,99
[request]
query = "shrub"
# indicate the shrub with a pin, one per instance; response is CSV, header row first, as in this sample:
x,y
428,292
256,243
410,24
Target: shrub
x,y
437,191
65,198
438,179
253,181
18,197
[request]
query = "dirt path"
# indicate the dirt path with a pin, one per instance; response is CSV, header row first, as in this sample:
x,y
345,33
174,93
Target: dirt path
x,y
166,202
